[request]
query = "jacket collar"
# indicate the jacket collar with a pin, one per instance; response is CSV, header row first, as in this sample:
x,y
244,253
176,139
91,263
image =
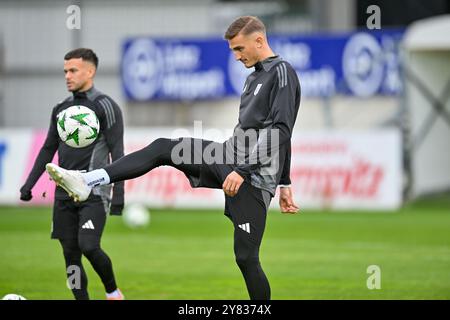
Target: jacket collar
x,y
88,94
268,63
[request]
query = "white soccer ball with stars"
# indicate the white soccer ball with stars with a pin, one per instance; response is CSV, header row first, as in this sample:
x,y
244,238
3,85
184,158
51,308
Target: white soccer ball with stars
x,y
78,126
136,215
13,296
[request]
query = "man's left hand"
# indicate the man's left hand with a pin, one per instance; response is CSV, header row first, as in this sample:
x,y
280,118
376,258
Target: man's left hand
x,y
287,204
232,184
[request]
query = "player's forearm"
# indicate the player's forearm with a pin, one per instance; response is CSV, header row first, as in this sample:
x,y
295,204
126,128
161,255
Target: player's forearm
x,y
118,193
285,178
45,155
117,152
119,187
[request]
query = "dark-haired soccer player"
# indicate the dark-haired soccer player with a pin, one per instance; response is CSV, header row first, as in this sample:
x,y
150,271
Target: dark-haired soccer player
x,y
248,167
79,226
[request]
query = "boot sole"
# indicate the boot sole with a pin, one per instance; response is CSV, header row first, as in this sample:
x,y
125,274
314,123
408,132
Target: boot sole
x,y
57,178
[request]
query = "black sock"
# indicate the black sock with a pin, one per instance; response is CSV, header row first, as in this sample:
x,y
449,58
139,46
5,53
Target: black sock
x,y
90,247
257,284
103,266
72,257
247,258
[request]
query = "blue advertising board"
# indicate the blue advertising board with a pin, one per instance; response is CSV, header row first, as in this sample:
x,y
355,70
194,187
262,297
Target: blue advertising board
x,y
2,152
360,64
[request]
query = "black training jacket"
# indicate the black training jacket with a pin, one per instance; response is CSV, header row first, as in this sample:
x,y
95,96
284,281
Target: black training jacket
x,y
269,105
108,146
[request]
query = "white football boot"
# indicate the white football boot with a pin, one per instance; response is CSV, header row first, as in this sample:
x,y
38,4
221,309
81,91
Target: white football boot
x,y
69,180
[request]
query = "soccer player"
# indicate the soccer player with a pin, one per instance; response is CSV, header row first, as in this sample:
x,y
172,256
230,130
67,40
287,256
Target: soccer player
x,y
79,226
248,167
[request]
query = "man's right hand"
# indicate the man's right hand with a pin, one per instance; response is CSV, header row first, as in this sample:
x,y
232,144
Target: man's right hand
x,y
25,194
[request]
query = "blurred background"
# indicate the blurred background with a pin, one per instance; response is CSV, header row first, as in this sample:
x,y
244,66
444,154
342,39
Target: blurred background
x,y
372,132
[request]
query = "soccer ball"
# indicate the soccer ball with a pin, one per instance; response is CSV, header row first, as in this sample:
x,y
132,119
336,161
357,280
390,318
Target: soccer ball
x,y
13,296
78,126
136,215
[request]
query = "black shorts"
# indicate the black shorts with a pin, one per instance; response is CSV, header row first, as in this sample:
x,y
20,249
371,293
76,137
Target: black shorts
x,y
71,219
247,209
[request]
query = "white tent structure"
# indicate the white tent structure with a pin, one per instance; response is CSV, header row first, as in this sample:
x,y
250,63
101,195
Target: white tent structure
x,y
427,94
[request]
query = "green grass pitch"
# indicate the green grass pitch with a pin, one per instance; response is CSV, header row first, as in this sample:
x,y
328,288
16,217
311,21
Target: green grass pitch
x,y
188,254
